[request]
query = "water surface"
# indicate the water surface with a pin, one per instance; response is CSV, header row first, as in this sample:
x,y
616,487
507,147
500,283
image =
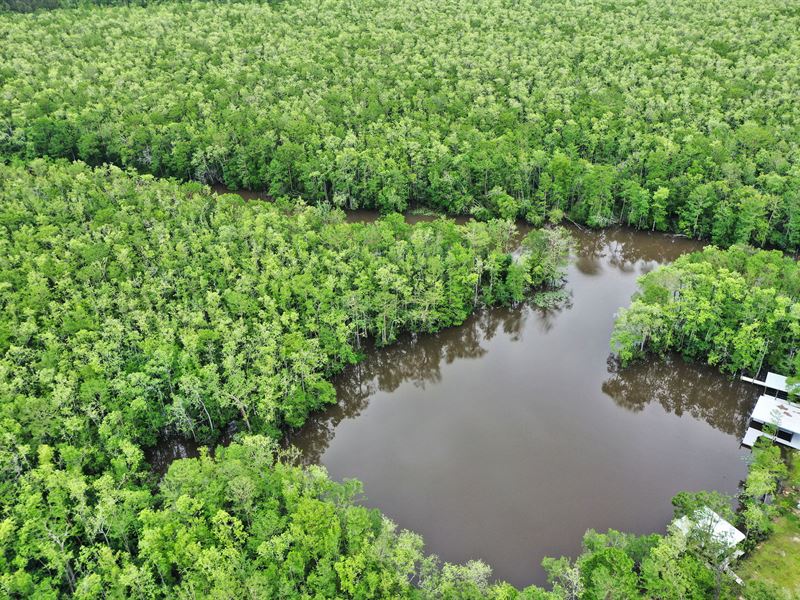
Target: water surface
x,y
506,438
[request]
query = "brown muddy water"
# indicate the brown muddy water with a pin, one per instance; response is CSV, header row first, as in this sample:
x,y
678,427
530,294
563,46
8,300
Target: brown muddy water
x,y
507,438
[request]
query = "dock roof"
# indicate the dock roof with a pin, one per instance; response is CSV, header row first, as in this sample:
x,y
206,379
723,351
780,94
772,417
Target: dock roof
x,y
783,413
722,531
776,382
773,381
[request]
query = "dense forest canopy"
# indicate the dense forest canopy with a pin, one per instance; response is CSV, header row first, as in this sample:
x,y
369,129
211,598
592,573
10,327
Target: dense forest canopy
x,y
26,6
738,309
132,307
678,116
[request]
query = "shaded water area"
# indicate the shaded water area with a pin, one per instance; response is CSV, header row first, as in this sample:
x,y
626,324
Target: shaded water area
x,y
506,438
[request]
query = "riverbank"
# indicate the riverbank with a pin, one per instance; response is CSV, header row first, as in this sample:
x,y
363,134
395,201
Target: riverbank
x,y
485,437
775,562
495,403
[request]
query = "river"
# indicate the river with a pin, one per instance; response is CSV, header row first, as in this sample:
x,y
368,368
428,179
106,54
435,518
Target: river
x,y
506,438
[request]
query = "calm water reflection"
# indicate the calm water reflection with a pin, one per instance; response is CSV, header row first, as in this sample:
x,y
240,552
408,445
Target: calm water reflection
x,y
506,438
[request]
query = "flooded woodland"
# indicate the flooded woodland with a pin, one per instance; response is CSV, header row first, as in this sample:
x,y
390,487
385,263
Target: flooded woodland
x,y
505,438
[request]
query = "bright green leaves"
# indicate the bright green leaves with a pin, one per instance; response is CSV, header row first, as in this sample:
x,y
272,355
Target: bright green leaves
x,y
494,110
621,566
134,308
242,522
63,521
545,254
609,573
314,530
634,328
735,309
766,471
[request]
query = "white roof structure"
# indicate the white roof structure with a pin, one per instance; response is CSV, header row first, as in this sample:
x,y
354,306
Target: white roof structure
x,y
776,382
775,411
721,531
773,381
784,414
750,437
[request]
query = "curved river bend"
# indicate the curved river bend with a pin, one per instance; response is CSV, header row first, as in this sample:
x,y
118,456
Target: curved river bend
x,y
506,438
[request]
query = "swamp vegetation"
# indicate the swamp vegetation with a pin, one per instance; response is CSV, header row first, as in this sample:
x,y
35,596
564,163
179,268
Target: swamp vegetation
x,y
136,304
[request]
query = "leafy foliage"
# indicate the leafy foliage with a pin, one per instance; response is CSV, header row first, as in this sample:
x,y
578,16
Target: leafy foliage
x,y
239,525
26,6
622,566
737,308
688,503
678,117
132,307
763,477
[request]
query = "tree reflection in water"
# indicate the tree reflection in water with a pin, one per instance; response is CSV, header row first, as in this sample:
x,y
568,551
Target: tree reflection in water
x,y
677,386
416,359
624,249
447,420
681,387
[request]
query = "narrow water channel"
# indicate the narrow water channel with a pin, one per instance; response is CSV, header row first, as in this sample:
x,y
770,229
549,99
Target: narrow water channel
x,y
506,438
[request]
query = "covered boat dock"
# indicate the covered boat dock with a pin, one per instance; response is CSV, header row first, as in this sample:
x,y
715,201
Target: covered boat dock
x,y
779,413
774,383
